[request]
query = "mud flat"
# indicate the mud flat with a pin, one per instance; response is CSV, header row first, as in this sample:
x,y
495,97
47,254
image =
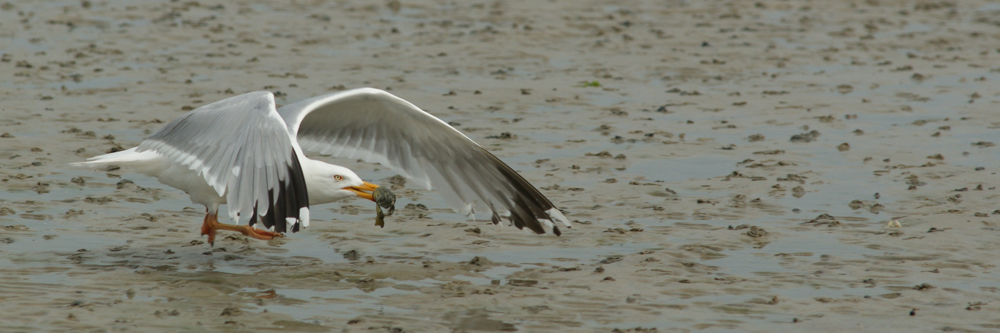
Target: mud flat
x,y
749,166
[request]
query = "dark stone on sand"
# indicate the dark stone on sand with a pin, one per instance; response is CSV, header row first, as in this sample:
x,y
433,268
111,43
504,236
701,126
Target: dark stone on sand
x,y
798,191
502,136
522,283
231,311
824,219
856,204
805,137
756,232
983,144
603,154
352,255
611,259
480,261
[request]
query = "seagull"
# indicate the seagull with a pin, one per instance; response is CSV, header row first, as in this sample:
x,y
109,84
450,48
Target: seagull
x,y
248,155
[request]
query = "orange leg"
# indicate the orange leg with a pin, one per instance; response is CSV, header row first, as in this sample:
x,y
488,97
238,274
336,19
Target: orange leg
x,y
212,224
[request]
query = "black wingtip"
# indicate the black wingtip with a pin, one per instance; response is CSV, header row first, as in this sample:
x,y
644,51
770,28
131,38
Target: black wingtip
x,y
292,197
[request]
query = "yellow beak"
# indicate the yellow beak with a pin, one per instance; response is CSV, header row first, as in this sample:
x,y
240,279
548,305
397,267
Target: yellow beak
x,y
364,191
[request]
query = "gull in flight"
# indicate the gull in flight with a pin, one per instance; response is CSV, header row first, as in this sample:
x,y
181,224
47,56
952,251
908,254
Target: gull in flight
x,y
245,153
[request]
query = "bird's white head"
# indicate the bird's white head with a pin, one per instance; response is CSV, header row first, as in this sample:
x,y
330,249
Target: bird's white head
x,y
328,183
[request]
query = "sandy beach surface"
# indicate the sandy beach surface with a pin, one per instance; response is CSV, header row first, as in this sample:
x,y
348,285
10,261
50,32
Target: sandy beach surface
x,y
728,165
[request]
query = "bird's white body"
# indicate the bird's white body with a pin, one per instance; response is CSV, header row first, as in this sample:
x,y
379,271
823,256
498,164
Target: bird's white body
x,y
244,153
319,175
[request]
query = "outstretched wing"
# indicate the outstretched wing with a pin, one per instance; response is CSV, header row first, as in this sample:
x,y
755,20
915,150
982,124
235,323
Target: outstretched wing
x,y
242,147
375,126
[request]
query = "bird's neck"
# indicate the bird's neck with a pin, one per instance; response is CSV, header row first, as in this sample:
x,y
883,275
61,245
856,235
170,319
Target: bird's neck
x,y
320,182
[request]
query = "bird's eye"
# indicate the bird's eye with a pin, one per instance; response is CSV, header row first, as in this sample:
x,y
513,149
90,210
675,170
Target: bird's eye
x,y
338,177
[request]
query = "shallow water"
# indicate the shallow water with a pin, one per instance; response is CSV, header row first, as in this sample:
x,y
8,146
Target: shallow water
x,y
652,244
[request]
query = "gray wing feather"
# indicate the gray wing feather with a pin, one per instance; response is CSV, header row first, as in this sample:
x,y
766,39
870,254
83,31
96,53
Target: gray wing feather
x,y
375,126
239,145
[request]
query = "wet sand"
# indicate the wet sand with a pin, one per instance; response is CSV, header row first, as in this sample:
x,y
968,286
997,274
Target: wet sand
x,y
728,165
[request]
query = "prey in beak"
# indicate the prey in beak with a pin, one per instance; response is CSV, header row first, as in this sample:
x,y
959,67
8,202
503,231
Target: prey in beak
x,y
382,197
